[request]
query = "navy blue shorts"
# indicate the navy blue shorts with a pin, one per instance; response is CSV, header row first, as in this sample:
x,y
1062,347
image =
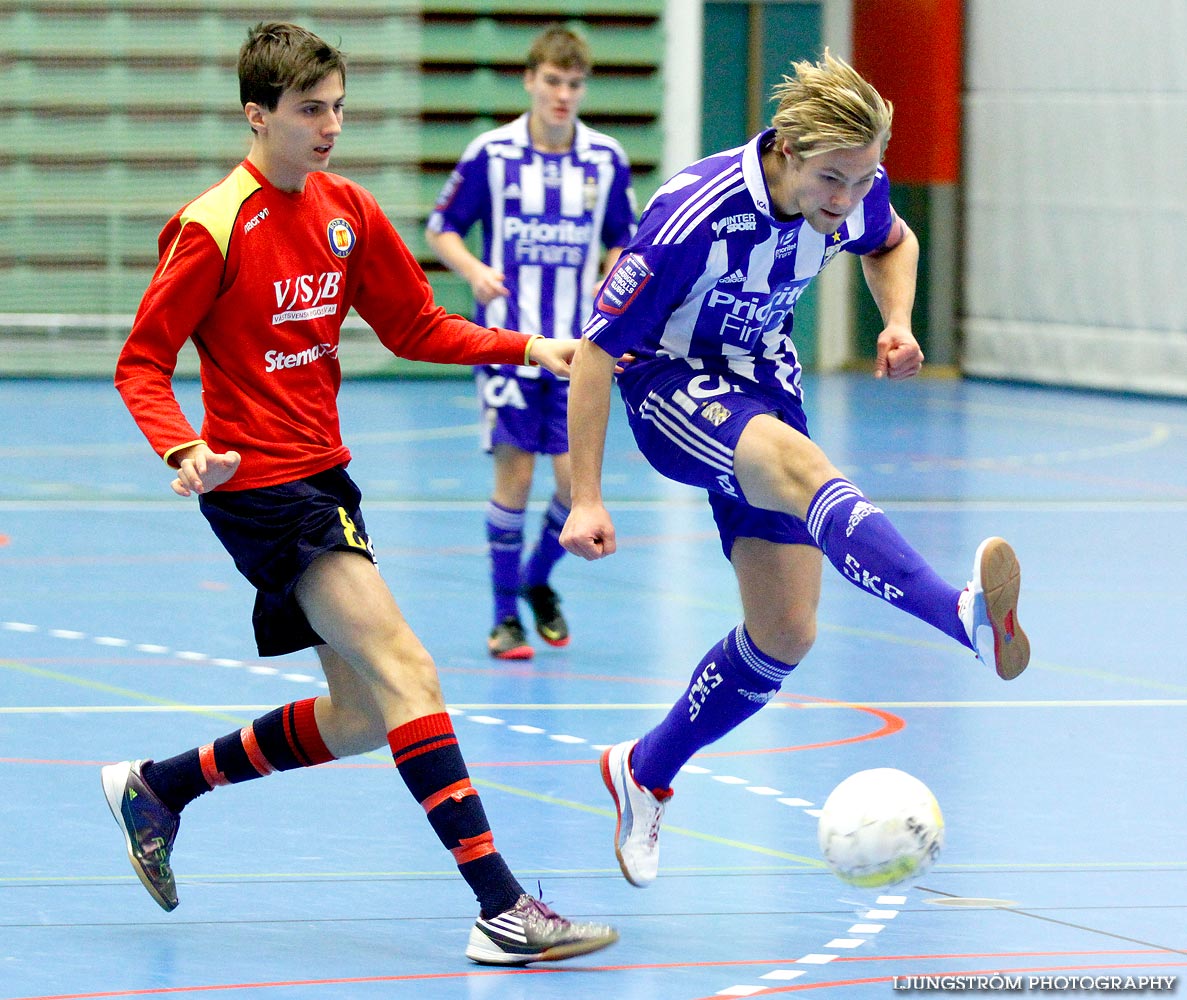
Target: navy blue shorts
x,y
687,423
274,533
529,411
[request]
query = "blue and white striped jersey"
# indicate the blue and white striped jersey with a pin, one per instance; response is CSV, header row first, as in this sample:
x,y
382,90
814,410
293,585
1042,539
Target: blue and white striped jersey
x,y
714,277
545,218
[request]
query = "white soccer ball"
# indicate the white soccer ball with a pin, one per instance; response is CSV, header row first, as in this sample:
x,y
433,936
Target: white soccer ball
x,y
880,828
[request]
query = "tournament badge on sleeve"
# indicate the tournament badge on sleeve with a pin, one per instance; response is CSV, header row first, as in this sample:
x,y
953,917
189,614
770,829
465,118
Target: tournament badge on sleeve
x,y
625,282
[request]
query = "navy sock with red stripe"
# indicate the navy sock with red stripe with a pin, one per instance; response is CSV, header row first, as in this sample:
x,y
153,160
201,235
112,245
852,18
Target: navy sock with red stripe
x,y
427,755
284,739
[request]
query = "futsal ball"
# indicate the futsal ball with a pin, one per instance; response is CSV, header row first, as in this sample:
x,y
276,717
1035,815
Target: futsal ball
x,y
880,828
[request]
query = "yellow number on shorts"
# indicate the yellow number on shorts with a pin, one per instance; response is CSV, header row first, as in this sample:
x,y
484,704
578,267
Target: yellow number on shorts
x,y
353,538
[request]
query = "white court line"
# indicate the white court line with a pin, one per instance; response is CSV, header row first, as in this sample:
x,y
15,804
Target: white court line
x,y
116,709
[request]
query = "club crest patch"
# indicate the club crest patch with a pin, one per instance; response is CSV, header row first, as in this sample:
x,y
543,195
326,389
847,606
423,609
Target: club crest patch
x,y
341,237
715,413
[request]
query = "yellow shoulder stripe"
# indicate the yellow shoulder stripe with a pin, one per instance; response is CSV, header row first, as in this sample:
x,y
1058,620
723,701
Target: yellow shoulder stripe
x,y
217,209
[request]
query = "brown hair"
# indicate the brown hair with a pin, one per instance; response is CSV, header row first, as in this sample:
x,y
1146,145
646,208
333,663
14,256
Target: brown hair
x,y
278,56
561,47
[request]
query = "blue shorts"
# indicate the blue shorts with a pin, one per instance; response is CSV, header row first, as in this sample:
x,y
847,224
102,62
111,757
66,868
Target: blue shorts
x,y
274,533
528,411
687,423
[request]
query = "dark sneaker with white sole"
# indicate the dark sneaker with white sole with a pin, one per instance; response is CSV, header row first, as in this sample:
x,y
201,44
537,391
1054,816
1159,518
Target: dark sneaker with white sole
x,y
149,828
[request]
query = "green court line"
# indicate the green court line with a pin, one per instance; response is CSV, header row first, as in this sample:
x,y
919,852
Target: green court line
x,y
815,868
113,689
481,783
669,830
478,782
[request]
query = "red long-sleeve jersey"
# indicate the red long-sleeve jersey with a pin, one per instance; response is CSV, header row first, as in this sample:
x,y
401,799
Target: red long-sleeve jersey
x,y
261,280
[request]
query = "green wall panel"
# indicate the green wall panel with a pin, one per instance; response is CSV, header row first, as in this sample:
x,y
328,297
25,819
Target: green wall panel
x,y
733,110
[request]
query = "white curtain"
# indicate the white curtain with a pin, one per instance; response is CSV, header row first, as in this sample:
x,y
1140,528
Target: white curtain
x,y
1075,235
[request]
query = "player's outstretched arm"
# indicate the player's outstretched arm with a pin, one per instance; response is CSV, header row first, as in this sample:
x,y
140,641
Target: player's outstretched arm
x,y
200,470
555,355
589,532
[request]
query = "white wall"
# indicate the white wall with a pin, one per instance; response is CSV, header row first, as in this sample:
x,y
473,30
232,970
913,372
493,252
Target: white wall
x,y
1075,239
683,45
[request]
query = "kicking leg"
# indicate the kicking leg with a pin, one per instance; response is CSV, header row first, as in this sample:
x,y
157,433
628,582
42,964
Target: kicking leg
x,y
779,468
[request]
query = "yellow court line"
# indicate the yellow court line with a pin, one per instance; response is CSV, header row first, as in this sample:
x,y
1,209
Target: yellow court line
x,y
165,704
506,789
482,783
83,682
669,830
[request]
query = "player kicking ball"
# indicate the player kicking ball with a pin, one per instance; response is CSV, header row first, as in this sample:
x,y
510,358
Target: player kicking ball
x,y
704,298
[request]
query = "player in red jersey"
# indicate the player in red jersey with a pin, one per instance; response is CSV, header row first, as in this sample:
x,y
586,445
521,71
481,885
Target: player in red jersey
x,y
259,272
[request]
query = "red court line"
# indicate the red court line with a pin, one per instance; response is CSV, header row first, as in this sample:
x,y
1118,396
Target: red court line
x,y
573,970
891,724
281,984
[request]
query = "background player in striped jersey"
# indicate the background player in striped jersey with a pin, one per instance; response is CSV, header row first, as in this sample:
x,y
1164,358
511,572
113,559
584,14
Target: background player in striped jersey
x,y
260,272
704,298
549,193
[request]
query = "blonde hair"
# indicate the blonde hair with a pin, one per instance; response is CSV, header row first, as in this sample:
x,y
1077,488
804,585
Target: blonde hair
x,y
828,105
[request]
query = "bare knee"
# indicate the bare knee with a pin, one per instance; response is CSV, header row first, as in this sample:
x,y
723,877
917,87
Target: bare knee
x,y
406,678
787,639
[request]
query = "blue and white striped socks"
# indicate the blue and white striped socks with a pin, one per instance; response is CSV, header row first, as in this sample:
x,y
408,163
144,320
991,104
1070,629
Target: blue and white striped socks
x,y
859,540
732,682
504,535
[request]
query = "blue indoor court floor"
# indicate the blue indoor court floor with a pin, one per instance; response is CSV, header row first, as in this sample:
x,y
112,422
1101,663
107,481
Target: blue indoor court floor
x,y
125,633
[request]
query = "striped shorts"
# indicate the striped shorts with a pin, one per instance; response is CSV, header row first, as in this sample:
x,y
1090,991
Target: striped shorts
x,y
687,423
